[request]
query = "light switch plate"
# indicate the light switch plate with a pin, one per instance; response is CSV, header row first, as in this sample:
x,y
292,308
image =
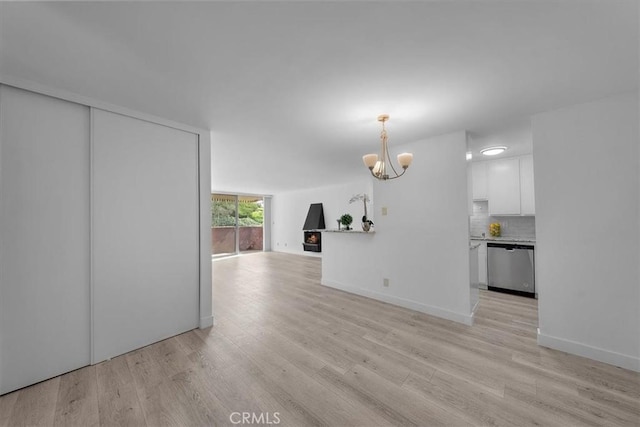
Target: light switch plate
x,y
384,211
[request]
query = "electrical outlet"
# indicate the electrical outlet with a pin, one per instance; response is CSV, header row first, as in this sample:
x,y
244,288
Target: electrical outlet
x,y
385,282
384,211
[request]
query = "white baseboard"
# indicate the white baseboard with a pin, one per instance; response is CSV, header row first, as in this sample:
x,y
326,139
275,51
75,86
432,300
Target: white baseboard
x,y
298,252
599,354
206,322
423,308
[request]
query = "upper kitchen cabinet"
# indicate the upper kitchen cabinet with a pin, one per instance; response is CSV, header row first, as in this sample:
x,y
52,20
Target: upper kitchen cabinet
x,y
527,199
505,179
508,184
504,186
479,182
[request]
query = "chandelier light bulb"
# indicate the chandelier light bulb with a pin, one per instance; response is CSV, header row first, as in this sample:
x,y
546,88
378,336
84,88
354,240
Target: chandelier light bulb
x,y
377,169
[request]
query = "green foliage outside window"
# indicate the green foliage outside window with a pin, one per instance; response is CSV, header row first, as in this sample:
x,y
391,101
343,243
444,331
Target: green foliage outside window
x,y
223,214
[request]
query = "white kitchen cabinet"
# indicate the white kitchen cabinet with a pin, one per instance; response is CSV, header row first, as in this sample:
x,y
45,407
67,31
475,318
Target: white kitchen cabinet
x,y
479,184
482,266
504,186
527,199
507,184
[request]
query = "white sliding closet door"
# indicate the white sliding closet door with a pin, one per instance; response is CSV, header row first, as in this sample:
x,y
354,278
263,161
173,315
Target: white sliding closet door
x,y
145,233
44,238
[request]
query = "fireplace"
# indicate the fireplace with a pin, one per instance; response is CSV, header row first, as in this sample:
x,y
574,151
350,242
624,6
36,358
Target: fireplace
x,y
312,225
312,241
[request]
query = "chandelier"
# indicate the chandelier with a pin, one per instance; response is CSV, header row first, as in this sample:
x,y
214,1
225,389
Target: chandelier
x,y
379,165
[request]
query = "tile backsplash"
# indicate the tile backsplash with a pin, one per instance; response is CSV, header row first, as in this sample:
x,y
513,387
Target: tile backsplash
x,y
512,226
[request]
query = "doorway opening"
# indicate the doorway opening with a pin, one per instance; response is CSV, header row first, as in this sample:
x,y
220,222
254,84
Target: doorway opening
x,y
237,224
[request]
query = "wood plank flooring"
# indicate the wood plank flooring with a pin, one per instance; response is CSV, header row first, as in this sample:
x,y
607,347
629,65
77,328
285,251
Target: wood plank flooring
x,y
294,353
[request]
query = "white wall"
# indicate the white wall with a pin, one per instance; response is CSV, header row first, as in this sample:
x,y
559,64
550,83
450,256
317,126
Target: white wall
x,y
588,235
422,244
289,211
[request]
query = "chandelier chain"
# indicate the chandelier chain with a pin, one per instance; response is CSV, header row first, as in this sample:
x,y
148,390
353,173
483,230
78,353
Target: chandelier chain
x,y
388,157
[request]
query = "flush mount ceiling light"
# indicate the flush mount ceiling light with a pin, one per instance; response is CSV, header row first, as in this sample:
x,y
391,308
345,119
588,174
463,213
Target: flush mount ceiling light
x,y
378,165
492,151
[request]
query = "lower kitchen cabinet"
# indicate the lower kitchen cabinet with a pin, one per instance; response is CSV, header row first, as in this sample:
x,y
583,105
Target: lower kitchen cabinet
x,y
482,265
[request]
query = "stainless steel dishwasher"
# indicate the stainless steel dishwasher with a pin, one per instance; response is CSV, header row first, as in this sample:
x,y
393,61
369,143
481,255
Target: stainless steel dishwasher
x,y
511,268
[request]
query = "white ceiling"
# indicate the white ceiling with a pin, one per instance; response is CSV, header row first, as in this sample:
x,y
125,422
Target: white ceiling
x,y
291,90
516,135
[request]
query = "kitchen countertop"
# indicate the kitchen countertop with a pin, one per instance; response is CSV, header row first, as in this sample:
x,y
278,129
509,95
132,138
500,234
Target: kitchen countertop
x,y
504,239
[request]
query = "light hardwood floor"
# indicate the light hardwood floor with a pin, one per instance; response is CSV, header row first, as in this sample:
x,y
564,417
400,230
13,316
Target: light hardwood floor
x,y
290,350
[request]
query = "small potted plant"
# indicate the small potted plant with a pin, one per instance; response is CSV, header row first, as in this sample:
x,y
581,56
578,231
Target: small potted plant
x,y
346,220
